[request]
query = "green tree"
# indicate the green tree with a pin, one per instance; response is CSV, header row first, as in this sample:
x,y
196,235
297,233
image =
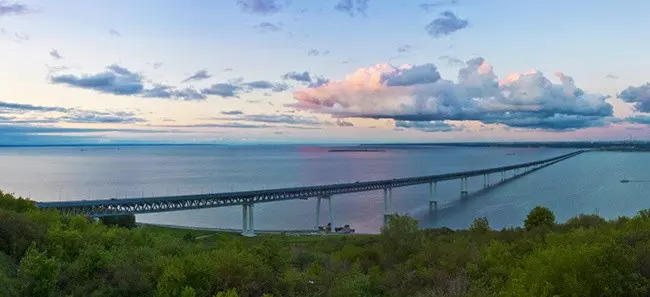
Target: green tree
x,y
480,225
399,239
229,293
38,274
539,217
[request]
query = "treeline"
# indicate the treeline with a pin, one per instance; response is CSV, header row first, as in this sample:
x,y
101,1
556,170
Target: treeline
x,y
43,253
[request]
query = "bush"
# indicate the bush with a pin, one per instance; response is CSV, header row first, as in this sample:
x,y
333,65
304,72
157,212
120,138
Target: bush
x,y
480,225
124,221
539,217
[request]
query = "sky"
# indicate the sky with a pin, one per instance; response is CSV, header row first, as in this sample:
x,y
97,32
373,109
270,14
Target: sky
x,y
329,71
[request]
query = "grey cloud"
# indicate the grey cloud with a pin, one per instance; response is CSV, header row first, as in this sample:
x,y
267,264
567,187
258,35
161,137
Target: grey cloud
x,y
117,80
102,117
421,74
267,27
227,69
277,119
55,54
21,36
20,108
352,7
453,61
260,6
639,96
199,75
157,65
404,48
28,129
319,82
266,85
343,123
232,112
434,5
446,24
314,52
7,9
168,92
612,76
222,90
639,119
220,125
114,32
298,76
429,126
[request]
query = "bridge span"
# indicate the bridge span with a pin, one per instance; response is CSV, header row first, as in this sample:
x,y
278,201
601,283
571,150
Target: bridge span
x,y
247,199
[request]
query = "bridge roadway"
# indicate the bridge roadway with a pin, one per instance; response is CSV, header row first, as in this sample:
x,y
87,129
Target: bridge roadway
x,y
114,207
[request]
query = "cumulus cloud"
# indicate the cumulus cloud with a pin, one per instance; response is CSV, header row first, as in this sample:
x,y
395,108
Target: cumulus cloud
x,y
55,54
446,24
265,27
260,6
199,75
639,119
639,96
418,93
427,126
118,80
352,7
7,9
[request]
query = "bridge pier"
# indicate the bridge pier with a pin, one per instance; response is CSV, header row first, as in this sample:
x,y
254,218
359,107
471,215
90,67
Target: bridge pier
x,y
248,223
318,200
463,186
433,205
388,203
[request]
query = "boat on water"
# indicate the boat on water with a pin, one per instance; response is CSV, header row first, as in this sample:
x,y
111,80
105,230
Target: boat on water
x,y
625,180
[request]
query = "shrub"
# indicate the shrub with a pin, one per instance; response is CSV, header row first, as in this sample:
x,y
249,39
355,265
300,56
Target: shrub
x,y
124,221
539,217
480,225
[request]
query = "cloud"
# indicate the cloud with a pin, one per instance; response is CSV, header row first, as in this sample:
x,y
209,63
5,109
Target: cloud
x,y
169,92
227,69
639,119
352,7
434,5
266,27
314,52
428,126
222,89
343,123
611,76
114,32
446,24
6,107
417,93
266,85
116,80
404,48
102,117
157,65
199,75
55,54
452,61
21,36
260,6
7,9
232,112
32,129
639,96
220,125
275,119
304,77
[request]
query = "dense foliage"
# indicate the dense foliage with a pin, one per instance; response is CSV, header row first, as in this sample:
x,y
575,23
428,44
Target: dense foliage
x,y
45,254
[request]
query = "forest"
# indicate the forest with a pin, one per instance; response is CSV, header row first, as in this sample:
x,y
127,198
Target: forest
x,y
44,253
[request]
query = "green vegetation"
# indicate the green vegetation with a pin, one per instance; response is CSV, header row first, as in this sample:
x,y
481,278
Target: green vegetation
x,y
43,253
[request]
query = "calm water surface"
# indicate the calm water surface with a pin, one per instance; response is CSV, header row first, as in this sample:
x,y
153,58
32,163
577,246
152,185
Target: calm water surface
x,y
584,184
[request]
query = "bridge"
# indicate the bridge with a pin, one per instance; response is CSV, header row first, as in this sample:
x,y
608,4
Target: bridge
x,y
248,199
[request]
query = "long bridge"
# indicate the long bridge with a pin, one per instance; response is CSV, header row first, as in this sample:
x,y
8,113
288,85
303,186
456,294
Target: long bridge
x,y
248,199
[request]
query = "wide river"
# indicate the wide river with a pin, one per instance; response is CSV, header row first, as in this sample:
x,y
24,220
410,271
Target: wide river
x,y
588,183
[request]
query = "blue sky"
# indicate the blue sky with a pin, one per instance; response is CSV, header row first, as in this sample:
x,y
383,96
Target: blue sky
x,y
251,71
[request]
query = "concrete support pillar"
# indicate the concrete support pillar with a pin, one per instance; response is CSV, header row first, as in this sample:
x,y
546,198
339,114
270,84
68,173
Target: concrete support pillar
x,y
463,186
433,205
485,181
318,200
388,203
244,219
329,201
251,221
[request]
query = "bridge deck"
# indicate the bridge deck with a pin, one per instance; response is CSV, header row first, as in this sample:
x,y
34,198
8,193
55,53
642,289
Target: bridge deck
x,y
108,207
